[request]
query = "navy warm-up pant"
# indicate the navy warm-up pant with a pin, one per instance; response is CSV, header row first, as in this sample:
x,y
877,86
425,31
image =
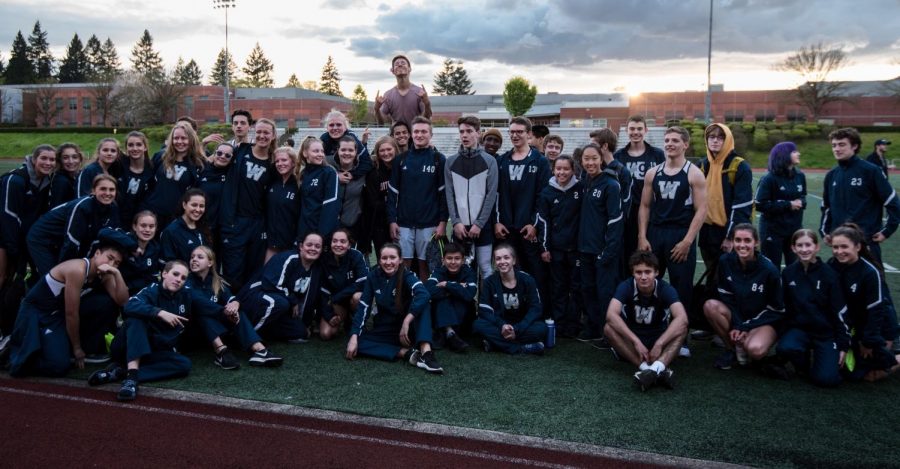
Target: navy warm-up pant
x,y
219,326
565,272
795,345
681,274
272,317
450,311
133,342
536,332
776,247
383,342
244,250
598,284
39,344
528,254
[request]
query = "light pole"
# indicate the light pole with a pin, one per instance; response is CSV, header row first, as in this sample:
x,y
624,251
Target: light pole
x,y
708,113
226,5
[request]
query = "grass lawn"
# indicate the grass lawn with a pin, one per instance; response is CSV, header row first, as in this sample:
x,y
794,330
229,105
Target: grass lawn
x,y
17,145
581,394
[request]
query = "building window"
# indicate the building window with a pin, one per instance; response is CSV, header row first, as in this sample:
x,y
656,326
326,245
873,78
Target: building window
x,y
301,122
674,115
204,98
796,116
73,104
59,103
85,103
189,104
734,117
281,123
765,115
576,123
599,123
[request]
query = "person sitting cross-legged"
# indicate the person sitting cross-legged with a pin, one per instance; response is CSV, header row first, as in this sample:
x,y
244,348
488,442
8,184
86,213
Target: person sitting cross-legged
x,y
646,323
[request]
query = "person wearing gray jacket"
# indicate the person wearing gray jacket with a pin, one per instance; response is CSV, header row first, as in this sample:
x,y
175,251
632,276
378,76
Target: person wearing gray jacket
x,y
470,182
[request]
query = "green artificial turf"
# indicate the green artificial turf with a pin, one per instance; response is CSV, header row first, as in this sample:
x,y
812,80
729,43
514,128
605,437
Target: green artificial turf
x,y
581,394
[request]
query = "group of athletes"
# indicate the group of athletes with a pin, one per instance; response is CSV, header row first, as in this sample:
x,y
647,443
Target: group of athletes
x,y
227,244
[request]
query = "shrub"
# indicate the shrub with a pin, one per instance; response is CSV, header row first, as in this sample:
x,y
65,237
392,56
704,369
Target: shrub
x,y
760,138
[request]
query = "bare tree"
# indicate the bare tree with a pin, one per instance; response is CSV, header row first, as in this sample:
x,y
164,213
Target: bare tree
x,y
137,100
814,63
46,107
104,85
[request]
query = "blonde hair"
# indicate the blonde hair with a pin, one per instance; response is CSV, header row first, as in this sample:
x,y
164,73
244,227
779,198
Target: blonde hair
x,y
274,143
218,283
304,148
386,140
337,115
195,153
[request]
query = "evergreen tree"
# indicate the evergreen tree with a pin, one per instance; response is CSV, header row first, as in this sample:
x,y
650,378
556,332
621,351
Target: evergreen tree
x,y
111,64
224,65
187,74
19,70
258,69
93,50
453,79
360,107
39,53
293,82
2,67
145,60
75,66
331,79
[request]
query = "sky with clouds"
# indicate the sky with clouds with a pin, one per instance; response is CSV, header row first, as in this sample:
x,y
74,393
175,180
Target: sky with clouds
x,y
574,46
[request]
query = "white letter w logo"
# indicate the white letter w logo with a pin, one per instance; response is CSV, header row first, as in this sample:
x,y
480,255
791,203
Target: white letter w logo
x,y
667,189
515,172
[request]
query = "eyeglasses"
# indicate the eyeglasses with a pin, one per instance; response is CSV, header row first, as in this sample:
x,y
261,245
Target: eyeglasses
x,y
517,132
222,153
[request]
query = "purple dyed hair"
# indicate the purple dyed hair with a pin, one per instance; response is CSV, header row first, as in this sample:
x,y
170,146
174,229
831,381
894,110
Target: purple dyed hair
x,y
780,158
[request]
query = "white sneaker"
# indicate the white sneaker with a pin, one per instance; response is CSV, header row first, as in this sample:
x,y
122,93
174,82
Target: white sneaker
x,y
684,352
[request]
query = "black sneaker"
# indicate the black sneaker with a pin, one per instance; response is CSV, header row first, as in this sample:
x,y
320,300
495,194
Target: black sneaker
x,y
97,358
725,361
111,374
775,371
440,340
265,358
226,360
428,362
645,379
587,336
534,348
702,335
601,343
666,379
456,344
128,391
412,357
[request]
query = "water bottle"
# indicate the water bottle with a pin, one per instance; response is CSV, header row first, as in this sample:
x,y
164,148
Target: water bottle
x,y
551,333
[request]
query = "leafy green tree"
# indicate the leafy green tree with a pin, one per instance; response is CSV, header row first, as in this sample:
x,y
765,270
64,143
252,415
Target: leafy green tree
x,y
224,66
19,70
330,83
293,82
518,96
453,79
75,67
187,74
145,60
39,53
258,69
360,106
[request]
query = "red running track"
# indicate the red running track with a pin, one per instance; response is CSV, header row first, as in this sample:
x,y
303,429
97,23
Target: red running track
x,y
49,425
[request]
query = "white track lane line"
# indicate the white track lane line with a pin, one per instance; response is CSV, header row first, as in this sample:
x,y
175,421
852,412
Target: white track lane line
x,y
272,426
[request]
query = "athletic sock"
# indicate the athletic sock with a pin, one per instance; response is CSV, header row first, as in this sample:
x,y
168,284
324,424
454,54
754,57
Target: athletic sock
x,y
658,366
644,366
450,332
